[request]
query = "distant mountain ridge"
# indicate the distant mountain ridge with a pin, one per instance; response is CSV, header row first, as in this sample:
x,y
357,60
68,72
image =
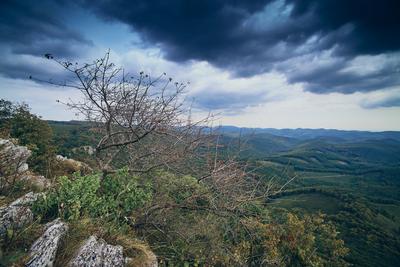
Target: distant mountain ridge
x,y
306,134
321,148
298,133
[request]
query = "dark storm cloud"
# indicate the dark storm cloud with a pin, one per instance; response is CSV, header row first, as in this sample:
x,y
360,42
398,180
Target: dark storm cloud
x,y
33,28
251,37
245,37
336,77
203,30
376,23
186,29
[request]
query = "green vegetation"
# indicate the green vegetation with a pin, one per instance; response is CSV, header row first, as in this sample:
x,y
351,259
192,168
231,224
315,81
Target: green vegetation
x,y
342,208
307,241
79,196
70,136
355,183
184,229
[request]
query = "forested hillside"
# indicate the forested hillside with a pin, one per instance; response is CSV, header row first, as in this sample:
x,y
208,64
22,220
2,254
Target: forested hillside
x,y
353,179
354,182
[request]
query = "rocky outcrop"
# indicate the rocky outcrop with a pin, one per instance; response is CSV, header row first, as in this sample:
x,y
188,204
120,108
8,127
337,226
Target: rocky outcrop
x,y
13,165
93,253
13,158
43,251
97,253
17,215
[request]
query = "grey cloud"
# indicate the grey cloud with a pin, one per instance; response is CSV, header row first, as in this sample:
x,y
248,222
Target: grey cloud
x,y
253,37
389,101
244,37
335,77
35,28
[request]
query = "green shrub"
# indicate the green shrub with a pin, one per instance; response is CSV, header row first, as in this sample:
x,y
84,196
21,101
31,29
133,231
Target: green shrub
x,y
114,198
121,194
71,199
180,189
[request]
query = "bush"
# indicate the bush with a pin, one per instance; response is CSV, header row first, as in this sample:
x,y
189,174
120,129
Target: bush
x,y
291,240
114,198
71,198
122,194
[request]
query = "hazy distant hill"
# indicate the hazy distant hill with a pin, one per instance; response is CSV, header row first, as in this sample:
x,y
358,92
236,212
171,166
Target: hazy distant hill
x,y
322,149
305,134
304,144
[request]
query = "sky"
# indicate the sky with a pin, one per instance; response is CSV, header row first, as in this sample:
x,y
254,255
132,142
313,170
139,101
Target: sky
x,y
260,63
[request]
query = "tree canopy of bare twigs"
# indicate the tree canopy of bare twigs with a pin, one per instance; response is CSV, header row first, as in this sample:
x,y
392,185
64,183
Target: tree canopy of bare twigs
x,y
140,120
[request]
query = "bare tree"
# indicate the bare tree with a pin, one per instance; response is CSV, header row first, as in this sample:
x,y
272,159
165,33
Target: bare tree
x,y
141,121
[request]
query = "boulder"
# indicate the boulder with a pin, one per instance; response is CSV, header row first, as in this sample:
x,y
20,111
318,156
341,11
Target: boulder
x,y
43,251
13,165
18,214
13,158
97,253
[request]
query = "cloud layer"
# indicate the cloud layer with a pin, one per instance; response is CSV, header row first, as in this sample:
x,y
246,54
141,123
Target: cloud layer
x,y
238,54
253,37
29,29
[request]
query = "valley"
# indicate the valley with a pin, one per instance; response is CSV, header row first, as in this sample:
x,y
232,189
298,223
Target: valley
x,y
351,177
356,183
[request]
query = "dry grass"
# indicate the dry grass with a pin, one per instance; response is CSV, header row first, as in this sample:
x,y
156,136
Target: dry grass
x,y
77,233
15,251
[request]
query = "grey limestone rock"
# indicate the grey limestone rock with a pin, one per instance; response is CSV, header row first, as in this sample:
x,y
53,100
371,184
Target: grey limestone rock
x,y
18,214
13,158
97,253
13,165
43,251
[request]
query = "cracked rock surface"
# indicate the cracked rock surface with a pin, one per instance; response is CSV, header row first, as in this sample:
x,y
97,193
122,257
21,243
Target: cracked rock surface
x,y
13,157
13,165
18,214
43,251
97,253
